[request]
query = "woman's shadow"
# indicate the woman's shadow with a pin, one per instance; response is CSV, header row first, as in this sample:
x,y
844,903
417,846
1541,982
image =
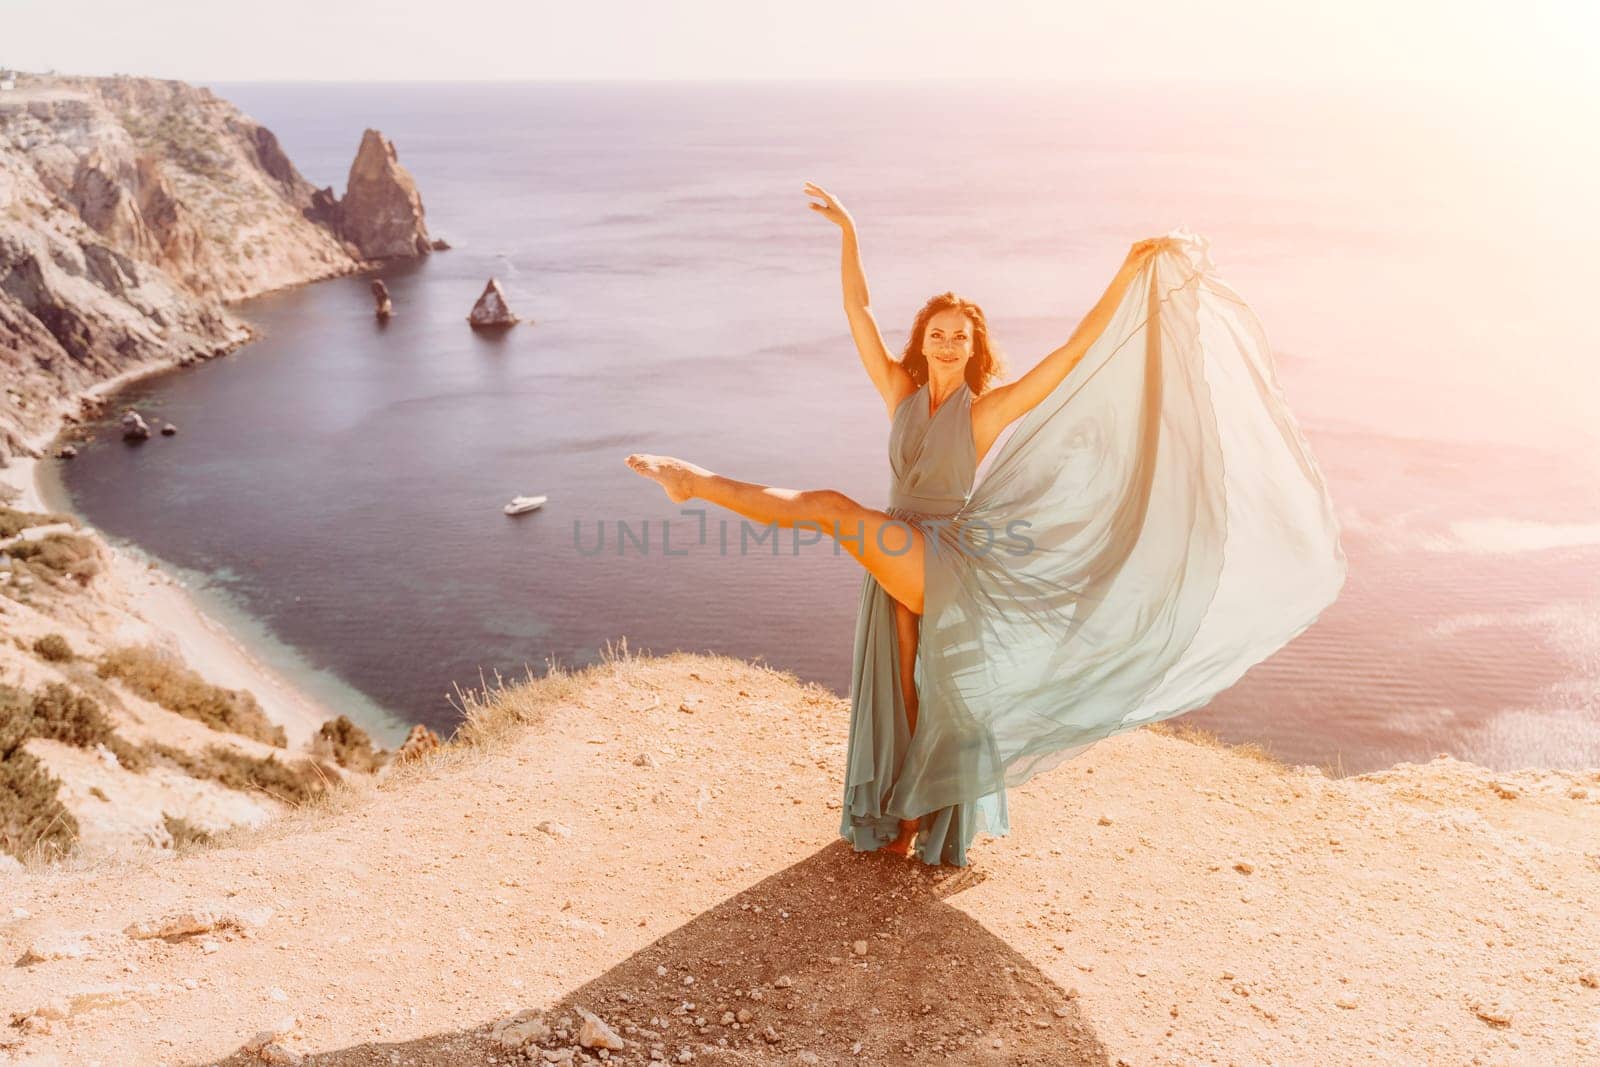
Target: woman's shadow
x,y
784,956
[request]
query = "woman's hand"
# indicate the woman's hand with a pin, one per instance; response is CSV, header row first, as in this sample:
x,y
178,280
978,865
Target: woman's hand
x,y
830,208
1141,251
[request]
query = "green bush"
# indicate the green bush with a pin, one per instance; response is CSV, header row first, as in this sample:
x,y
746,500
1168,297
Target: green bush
x,y
154,676
54,648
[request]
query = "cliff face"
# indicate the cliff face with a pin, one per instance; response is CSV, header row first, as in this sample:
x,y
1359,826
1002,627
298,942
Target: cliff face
x,y
131,212
177,178
131,209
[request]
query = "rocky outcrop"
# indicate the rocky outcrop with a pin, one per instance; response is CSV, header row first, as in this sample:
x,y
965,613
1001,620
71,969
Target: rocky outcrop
x,y
491,311
174,177
131,209
381,213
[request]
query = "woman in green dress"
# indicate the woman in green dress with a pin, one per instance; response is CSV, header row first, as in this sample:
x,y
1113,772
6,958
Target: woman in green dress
x,y
1109,540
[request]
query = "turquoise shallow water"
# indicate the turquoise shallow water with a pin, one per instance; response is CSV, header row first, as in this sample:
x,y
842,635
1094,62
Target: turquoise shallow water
x,y
338,484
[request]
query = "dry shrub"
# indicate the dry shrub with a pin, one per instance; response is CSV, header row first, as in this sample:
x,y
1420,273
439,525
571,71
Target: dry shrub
x,y
348,745
157,677
60,713
184,833
13,522
1194,735
33,822
293,783
60,555
54,647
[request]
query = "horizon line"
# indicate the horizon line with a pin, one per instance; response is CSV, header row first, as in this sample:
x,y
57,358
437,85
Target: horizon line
x,y
1557,79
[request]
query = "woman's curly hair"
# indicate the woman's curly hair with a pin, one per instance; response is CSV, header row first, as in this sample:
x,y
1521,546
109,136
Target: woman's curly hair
x,y
985,364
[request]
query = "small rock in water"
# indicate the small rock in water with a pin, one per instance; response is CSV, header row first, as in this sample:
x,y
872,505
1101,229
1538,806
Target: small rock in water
x,y
134,428
491,310
383,308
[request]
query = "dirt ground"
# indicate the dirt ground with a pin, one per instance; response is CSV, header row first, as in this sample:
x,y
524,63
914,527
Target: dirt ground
x,y
655,841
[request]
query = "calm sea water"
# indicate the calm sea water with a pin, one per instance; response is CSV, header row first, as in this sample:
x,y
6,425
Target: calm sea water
x,y
1423,264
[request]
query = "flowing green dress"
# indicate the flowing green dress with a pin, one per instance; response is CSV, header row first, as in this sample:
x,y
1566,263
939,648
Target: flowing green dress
x,y
1127,550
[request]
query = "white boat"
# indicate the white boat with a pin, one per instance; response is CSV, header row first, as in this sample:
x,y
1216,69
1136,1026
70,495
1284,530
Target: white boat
x,y
519,504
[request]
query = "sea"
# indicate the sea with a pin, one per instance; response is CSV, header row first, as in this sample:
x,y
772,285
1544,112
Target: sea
x,y
1422,257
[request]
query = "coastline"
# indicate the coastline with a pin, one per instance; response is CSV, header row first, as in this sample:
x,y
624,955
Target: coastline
x,y
144,590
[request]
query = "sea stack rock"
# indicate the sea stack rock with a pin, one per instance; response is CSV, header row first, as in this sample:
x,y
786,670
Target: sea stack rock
x,y
380,297
134,428
381,213
491,310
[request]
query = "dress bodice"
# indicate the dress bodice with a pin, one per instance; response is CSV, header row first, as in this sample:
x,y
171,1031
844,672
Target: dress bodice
x,y
932,460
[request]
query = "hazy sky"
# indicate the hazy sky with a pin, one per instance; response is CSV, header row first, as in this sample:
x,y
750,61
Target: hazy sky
x,y
1314,40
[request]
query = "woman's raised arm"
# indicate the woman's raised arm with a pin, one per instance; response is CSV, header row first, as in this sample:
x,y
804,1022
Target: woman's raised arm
x,y
890,378
998,407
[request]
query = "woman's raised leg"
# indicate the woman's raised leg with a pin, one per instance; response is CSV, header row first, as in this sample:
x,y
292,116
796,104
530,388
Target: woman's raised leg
x,y
889,548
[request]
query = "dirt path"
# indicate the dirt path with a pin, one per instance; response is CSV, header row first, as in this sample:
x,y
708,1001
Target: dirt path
x,y
1158,901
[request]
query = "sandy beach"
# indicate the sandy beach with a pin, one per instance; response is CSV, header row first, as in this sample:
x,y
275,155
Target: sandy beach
x,y
157,605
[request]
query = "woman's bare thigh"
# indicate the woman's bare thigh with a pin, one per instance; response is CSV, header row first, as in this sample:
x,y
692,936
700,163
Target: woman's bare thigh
x,y
891,549
908,630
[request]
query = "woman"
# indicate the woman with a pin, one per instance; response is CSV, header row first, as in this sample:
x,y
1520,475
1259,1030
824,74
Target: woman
x,y
1050,573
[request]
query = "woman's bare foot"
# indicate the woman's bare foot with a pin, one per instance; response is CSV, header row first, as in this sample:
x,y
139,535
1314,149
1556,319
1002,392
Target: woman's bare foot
x,y
901,846
675,476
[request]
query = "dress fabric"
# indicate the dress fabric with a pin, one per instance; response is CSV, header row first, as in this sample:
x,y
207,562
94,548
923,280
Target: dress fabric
x,y
1128,549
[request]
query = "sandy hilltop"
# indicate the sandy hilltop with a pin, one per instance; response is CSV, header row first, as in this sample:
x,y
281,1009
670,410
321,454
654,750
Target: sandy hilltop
x,y
132,211
638,862
653,843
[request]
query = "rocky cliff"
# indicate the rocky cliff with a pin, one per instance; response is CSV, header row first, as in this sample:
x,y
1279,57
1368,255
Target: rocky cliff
x,y
132,210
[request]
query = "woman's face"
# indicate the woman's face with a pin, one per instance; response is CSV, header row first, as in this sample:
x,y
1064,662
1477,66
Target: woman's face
x,y
947,341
